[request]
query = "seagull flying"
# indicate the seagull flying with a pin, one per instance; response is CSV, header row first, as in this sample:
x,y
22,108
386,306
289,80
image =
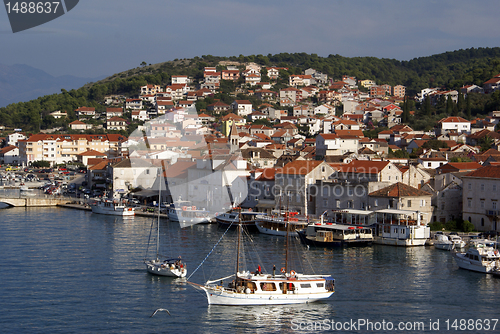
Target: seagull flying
x,y
159,310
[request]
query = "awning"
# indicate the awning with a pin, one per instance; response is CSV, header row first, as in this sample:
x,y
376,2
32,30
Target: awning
x,y
399,212
145,193
265,205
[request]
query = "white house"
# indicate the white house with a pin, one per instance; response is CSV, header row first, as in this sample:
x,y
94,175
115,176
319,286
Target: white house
x,y
9,155
453,124
242,107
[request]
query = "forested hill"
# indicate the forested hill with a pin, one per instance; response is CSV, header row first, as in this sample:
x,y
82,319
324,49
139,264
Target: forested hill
x,y
450,70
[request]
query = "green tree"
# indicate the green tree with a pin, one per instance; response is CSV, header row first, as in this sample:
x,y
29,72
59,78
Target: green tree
x,y
468,107
486,142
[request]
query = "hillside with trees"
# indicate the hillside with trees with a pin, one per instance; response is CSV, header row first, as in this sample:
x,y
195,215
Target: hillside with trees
x,y
449,70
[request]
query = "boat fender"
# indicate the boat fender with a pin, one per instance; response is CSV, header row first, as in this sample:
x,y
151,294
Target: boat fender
x,y
283,270
292,272
184,208
193,207
247,291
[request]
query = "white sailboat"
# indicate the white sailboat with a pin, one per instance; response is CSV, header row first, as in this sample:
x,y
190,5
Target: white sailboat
x,y
166,267
258,288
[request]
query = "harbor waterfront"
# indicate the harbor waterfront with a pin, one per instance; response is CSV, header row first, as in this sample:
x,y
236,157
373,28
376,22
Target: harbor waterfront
x,y
71,271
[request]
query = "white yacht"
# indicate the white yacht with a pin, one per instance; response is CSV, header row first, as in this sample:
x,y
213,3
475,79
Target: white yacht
x,y
480,257
112,207
186,214
457,241
262,289
258,288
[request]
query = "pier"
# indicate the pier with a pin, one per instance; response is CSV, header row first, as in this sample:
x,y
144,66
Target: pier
x,y
33,201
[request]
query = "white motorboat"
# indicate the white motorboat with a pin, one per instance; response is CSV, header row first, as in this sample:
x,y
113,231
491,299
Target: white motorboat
x,y
442,241
112,207
26,191
257,288
277,224
168,267
479,257
457,241
186,214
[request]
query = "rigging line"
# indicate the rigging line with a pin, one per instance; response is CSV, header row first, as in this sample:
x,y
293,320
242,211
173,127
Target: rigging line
x,y
149,239
206,257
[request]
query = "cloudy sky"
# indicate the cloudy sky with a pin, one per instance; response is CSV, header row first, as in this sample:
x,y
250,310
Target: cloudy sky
x,y
102,37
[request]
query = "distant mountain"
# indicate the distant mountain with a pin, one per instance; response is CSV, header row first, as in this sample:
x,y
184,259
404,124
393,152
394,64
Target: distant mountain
x,y
21,83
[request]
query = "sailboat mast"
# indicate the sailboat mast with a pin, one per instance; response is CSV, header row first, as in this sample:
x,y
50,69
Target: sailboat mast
x,y
238,246
287,214
158,228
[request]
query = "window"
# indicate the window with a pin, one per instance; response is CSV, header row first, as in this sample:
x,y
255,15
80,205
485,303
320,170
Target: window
x,y
376,202
469,203
305,286
422,202
494,187
494,205
482,186
409,203
469,186
482,221
337,203
349,205
482,204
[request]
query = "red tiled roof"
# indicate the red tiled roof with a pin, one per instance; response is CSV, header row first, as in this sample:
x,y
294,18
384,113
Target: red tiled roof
x,y
92,153
179,169
399,190
300,167
364,167
492,172
454,119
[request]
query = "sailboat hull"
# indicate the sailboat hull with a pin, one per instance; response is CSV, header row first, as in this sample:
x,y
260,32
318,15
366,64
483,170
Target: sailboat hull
x,y
157,268
218,297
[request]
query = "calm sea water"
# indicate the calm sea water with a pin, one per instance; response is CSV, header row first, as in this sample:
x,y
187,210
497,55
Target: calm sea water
x,y
69,271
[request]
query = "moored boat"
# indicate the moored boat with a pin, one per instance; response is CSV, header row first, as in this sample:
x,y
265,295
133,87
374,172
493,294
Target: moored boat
x,y
400,228
334,235
479,257
237,217
277,224
111,207
442,241
167,267
187,215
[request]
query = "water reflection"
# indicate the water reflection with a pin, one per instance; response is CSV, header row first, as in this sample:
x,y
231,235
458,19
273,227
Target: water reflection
x,y
266,319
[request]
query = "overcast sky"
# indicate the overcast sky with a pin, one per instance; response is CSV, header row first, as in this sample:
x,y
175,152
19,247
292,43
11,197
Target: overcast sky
x,y
103,37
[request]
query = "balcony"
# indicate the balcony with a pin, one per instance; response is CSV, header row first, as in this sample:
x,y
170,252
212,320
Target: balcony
x,y
493,212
